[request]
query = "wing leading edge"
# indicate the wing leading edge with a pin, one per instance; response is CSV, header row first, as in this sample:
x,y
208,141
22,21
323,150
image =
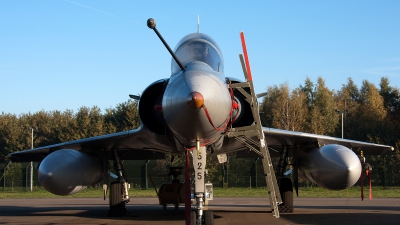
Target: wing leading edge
x,y
133,144
143,144
293,138
277,138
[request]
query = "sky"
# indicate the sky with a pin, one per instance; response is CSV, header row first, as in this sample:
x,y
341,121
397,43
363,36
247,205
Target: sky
x,y
65,54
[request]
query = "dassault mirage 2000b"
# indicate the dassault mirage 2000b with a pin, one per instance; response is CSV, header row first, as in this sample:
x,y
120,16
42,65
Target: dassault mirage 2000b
x,y
195,112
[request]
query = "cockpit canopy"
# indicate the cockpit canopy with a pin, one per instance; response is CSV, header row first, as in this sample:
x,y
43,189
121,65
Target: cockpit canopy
x,y
198,47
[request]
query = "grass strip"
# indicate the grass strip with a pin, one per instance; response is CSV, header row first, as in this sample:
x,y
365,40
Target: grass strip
x,y
304,192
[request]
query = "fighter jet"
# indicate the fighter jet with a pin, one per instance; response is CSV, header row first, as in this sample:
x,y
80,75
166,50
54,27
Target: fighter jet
x,y
195,112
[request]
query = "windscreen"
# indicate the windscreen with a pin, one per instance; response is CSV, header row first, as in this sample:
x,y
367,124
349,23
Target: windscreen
x,y
198,47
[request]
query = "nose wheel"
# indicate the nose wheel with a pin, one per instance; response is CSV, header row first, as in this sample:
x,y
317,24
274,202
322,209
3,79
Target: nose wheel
x,y
207,219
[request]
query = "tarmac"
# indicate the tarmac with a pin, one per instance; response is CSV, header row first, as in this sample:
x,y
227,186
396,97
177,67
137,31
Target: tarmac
x,y
232,211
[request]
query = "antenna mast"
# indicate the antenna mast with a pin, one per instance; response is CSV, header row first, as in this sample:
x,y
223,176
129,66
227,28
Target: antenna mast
x,y
198,23
151,23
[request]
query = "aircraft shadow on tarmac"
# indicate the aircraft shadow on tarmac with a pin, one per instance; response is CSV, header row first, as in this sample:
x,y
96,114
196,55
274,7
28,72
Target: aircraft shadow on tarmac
x,y
366,208
304,215
148,213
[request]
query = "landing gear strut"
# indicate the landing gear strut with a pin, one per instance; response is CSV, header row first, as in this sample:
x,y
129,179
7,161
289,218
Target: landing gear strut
x,y
119,195
200,216
285,184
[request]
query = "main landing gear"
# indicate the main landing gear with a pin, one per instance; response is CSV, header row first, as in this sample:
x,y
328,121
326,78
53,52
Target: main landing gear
x,y
285,184
119,195
117,206
286,191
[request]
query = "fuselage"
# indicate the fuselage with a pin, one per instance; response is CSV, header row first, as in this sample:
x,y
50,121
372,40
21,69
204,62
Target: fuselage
x,y
197,103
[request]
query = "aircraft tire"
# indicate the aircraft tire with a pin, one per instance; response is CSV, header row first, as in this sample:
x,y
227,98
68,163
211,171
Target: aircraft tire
x,y
208,217
286,191
117,206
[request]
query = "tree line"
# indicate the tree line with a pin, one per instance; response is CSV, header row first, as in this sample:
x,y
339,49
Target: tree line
x,y
55,126
370,113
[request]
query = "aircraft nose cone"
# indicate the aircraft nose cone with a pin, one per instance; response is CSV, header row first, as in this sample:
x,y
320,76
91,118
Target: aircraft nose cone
x,y
195,100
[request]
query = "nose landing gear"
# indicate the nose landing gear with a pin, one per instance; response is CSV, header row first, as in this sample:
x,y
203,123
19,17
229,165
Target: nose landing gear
x,y
202,191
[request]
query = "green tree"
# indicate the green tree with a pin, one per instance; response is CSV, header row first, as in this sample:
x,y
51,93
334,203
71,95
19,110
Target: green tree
x,y
325,104
321,105
266,107
63,126
391,97
11,131
371,102
281,108
308,90
109,121
124,117
40,122
284,109
370,113
299,110
347,101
